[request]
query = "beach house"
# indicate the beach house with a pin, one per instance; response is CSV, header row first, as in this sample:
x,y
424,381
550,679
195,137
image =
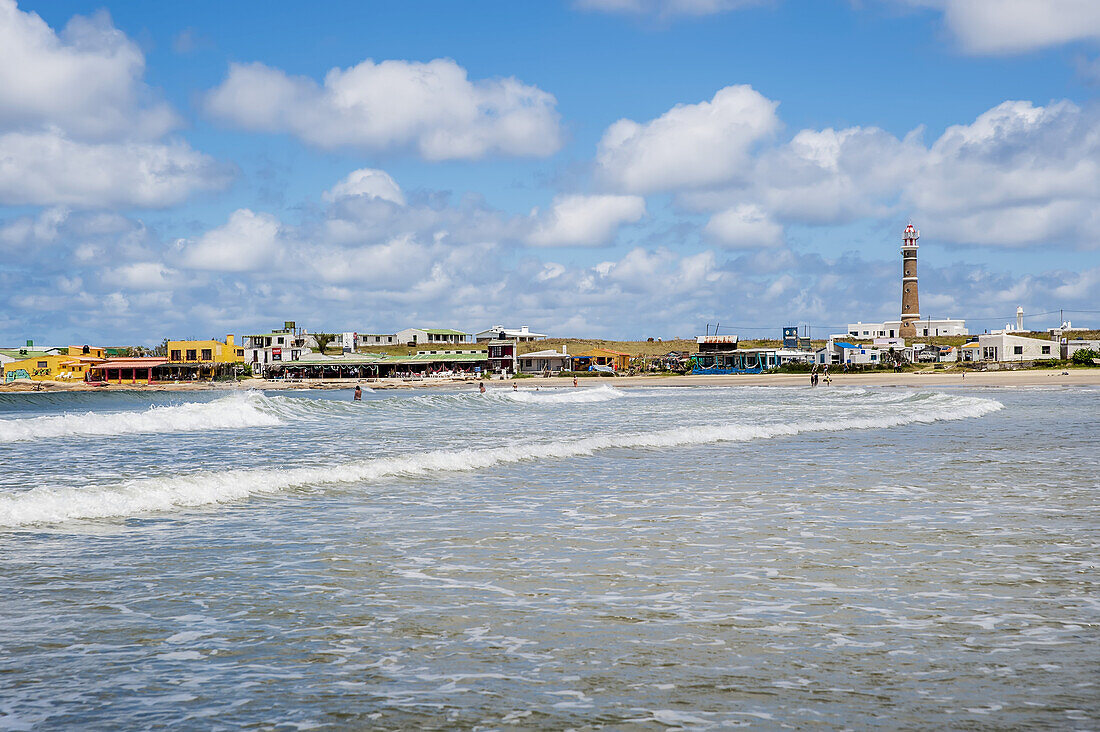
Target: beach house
x,y
502,356
432,336
602,357
1007,347
499,332
545,362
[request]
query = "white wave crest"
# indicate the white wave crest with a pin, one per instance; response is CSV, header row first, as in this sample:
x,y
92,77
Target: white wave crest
x,y
230,412
564,396
54,505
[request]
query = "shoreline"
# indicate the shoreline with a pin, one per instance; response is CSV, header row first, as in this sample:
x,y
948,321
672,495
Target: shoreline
x,y
1030,377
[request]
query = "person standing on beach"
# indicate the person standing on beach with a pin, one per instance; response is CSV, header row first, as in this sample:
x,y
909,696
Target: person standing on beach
x,y
574,381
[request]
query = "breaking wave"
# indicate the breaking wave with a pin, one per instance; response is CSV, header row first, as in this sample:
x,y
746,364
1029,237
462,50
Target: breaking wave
x,y
248,409
563,396
58,504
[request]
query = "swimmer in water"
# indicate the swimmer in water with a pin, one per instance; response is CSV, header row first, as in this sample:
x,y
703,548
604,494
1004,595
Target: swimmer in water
x,y
515,387
481,387
358,394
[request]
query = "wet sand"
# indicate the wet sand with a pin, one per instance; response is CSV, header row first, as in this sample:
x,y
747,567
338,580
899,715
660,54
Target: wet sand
x,y
919,379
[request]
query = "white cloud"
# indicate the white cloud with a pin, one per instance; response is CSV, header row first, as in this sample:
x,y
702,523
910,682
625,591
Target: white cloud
x,y
1018,175
746,225
1012,26
432,107
142,276
691,145
78,126
86,80
48,168
366,182
247,241
585,220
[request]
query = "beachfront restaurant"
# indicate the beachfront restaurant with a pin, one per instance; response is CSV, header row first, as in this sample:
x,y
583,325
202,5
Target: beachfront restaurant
x,y
367,366
144,370
746,361
603,358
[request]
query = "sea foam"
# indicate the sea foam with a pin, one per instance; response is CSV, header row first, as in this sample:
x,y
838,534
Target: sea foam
x,y
44,505
563,396
248,409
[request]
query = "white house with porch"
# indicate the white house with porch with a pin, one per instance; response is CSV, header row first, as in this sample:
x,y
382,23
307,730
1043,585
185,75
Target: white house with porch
x,y
500,333
432,336
541,362
1006,347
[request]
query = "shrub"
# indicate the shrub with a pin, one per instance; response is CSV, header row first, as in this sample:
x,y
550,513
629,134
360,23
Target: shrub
x,y
1084,356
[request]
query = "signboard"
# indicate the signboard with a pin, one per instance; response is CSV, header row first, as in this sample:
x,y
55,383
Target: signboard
x,y
276,354
790,337
288,325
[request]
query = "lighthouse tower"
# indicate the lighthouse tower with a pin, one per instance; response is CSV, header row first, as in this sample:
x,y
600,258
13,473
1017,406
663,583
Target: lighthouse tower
x,y
910,301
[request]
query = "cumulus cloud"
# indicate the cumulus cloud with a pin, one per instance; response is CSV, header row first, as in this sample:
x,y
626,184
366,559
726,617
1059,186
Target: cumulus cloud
x,y
431,107
369,183
1018,175
585,220
48,168
691,145
79,127
86,80
744,226
247,241
1013,26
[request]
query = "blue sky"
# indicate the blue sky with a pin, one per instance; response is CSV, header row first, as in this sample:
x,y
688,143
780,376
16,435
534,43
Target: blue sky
x,y
611,168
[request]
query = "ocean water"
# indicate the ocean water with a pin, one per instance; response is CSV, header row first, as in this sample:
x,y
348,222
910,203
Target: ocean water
x,y
642,558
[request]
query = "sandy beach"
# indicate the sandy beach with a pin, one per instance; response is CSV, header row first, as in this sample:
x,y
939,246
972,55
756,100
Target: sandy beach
x,y
918,379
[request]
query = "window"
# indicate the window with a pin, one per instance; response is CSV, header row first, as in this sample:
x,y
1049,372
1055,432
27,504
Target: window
x,y
1017,350
240,352
207,354
175,356
43,364
1046,350
279,340
191,355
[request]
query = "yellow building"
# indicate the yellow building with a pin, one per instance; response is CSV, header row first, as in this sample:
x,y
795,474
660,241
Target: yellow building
x,y
49,368
205,351
617,360
88,351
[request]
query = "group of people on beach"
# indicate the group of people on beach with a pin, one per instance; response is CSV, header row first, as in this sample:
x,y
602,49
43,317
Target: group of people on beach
x,y
815,377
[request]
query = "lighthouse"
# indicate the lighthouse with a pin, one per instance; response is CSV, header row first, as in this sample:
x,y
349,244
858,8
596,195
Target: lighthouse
x,y
910,301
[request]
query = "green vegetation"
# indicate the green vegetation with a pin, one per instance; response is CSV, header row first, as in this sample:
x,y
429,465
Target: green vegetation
x,y
1085,356
323,339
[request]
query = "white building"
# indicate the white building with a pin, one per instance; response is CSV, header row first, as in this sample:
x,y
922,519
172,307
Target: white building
x,y
540,362
278,346
432,336
350,342
1006,347
1072,346
841,352
892,328
500,333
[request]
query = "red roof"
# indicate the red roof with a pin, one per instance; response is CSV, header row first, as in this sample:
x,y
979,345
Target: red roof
x,y
132,363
